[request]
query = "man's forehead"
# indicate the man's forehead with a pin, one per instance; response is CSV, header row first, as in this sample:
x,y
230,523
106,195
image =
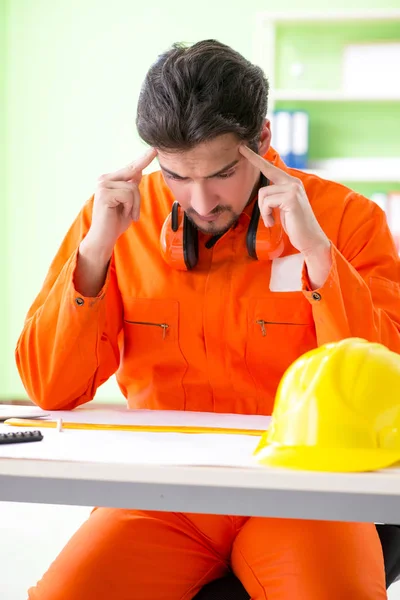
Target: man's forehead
x,y
204,159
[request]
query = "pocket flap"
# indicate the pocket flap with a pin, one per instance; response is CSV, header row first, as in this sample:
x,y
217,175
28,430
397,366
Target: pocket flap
x,y
288,308
153,312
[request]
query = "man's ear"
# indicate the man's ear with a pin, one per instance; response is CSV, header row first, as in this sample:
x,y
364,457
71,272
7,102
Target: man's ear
x,y
265,138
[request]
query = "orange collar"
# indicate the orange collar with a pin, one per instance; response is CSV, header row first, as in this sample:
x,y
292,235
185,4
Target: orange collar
x,y
273,157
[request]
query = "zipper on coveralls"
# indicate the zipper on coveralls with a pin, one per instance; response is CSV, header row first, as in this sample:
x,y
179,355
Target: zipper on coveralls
x,y
263,323
164,326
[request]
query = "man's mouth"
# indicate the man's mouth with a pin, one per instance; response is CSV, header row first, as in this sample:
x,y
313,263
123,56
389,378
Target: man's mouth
x,y
208,218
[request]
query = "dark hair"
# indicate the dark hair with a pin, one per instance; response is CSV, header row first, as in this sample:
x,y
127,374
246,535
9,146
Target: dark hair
x,y
194,94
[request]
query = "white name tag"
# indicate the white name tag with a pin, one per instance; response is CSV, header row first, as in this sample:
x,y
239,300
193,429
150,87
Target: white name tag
x,y
286,273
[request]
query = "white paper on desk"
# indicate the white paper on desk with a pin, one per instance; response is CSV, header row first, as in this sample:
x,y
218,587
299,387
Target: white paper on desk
x,y
125,416
144,447
137,448
13,411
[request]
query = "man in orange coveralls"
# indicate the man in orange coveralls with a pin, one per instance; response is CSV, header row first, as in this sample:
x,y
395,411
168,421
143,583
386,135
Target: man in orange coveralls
x,y
212,336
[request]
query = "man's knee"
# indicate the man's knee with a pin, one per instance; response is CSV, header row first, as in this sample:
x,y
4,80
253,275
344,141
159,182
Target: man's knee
x,y
121,554
310,560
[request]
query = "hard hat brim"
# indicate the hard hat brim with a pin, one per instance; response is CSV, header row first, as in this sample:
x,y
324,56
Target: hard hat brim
x,y
339,460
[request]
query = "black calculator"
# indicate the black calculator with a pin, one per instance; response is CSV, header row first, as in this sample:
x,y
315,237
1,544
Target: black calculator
x,y
19,437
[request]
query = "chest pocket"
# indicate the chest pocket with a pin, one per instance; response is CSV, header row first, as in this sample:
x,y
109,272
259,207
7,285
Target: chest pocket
x,y
151,344
280,329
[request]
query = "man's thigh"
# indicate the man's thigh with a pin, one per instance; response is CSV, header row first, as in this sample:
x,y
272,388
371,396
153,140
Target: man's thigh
x,y
125,554
282,559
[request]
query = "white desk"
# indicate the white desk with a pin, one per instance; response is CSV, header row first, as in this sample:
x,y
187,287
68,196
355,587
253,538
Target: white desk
x,y
45,473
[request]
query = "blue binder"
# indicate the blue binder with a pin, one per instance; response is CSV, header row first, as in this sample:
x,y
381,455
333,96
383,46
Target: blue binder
x,y
300,137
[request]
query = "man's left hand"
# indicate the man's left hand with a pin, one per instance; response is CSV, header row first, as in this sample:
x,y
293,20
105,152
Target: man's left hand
x,y
287,194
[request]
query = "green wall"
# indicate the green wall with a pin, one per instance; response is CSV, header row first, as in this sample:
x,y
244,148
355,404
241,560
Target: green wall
x,y
320,46
359,129
74,69
338,129
4,263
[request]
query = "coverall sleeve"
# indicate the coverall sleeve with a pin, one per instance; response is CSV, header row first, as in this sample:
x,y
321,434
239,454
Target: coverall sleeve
x,y
69,343
361,296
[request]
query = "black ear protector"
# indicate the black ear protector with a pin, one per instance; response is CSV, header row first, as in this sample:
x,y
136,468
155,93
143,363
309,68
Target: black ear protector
x,y
251,237
190,238
180,243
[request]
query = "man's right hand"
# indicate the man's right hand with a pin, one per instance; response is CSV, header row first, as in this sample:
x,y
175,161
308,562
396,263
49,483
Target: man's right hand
x,y
117,203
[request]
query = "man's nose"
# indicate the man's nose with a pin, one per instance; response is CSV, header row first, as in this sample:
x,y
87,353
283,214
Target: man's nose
x,y
201,201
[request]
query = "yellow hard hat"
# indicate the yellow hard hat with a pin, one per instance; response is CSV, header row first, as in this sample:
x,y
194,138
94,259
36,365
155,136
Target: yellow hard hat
x,y
337,408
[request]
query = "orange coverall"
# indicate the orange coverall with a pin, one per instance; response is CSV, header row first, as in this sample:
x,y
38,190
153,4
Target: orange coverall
x,y
213,339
